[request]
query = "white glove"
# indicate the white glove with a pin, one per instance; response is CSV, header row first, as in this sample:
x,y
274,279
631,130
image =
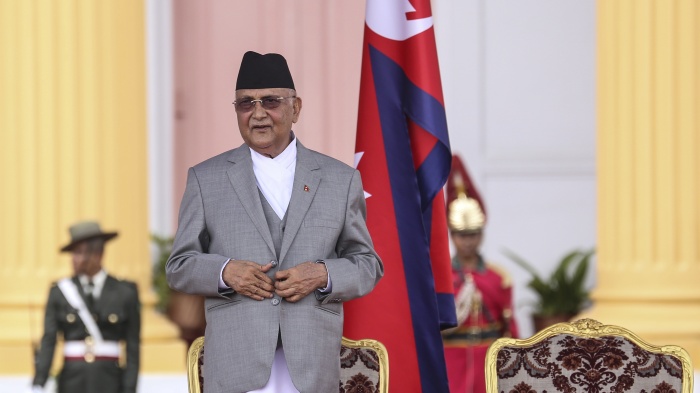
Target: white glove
x,y
36,389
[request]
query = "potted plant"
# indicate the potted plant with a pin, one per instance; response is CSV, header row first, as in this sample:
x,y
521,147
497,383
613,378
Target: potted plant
x,y
164,245
186,311
563,294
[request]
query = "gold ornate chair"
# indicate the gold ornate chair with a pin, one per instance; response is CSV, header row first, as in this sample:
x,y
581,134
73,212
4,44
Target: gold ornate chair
x,y
586,356
363,363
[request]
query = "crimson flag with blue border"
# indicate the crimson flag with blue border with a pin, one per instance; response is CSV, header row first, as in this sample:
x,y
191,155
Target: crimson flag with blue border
x,y
403,153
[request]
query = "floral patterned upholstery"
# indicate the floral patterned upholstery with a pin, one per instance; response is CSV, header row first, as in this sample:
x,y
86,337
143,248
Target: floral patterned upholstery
x,y
586,356
364,366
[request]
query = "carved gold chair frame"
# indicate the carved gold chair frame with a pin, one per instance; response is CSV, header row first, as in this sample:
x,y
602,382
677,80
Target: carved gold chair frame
x,y
586,328
193,376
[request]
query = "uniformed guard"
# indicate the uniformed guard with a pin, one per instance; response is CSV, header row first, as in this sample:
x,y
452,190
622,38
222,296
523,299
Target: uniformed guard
x,y
97,314
483,295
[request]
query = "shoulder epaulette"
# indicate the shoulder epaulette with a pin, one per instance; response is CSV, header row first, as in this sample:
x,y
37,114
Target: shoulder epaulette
x,y
55,283
506,281
124,280
128,282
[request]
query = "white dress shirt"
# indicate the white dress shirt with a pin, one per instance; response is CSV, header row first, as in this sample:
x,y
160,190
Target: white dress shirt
x,y
98,282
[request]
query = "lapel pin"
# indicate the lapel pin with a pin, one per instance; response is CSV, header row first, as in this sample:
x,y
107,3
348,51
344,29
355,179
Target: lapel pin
x,y
306,188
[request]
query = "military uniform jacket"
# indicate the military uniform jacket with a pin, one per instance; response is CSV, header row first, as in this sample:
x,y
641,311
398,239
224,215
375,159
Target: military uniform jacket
x,y
490,317
118,316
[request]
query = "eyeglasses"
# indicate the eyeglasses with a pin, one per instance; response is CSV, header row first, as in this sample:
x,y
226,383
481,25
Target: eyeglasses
x,y
268,103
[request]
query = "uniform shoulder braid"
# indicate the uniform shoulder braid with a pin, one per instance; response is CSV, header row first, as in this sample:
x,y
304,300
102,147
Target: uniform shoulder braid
x,y
124,280
127,285
506,281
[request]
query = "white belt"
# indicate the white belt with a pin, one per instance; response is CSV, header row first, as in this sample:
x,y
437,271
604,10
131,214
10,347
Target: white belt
x,y
82,348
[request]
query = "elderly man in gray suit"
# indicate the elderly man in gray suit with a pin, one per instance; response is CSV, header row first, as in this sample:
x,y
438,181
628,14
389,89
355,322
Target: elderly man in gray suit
x,y
274,235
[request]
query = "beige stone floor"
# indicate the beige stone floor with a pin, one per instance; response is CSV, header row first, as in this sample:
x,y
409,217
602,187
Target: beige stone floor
x,y
148,383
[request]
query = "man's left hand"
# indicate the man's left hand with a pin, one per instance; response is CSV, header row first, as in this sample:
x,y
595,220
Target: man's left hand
x,y
295,283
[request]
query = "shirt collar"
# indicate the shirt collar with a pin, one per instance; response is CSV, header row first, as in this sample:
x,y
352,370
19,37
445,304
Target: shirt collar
x,y
287,158
480,265
98,280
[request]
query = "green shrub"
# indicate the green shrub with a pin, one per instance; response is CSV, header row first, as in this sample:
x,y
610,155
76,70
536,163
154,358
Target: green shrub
x,y
160,284
564,292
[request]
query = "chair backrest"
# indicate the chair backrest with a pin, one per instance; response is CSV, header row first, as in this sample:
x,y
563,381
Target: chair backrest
x,y
363,363
586,356
195,360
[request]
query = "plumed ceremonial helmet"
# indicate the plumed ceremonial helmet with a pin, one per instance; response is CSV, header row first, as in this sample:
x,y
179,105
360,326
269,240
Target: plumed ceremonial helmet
x,y
465,215
465,212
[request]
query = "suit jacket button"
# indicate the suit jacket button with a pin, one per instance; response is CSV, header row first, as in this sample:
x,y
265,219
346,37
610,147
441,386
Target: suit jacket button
x,y
275,301
274,263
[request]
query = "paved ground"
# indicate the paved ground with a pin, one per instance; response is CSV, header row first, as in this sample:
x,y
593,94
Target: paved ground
x,y
148,383
156,383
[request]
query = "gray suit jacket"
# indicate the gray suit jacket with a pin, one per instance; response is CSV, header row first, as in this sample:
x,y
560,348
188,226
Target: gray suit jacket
x,y
221,217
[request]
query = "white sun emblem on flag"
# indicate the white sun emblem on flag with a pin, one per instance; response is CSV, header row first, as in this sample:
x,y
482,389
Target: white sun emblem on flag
x,y
358,157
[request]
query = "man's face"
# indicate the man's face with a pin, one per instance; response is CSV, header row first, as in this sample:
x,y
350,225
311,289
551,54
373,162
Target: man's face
x,y
86,261
467,243
267,131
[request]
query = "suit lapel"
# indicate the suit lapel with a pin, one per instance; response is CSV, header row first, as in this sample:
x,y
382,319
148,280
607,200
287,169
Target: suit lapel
x,y
305,185
81,291
77,283
242,177
105,295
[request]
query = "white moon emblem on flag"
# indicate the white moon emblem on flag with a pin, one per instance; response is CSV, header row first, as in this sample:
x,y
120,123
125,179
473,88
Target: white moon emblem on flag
x,y
358,157
388,19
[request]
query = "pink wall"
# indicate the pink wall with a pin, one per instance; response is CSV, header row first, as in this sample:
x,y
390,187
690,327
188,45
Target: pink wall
x,y
322,42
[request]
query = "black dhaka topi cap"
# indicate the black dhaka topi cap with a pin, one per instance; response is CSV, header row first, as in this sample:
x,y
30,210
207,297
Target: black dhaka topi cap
x,y
266,71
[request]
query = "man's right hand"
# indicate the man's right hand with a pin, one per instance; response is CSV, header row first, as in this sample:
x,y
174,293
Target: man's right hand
x,y
249,279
